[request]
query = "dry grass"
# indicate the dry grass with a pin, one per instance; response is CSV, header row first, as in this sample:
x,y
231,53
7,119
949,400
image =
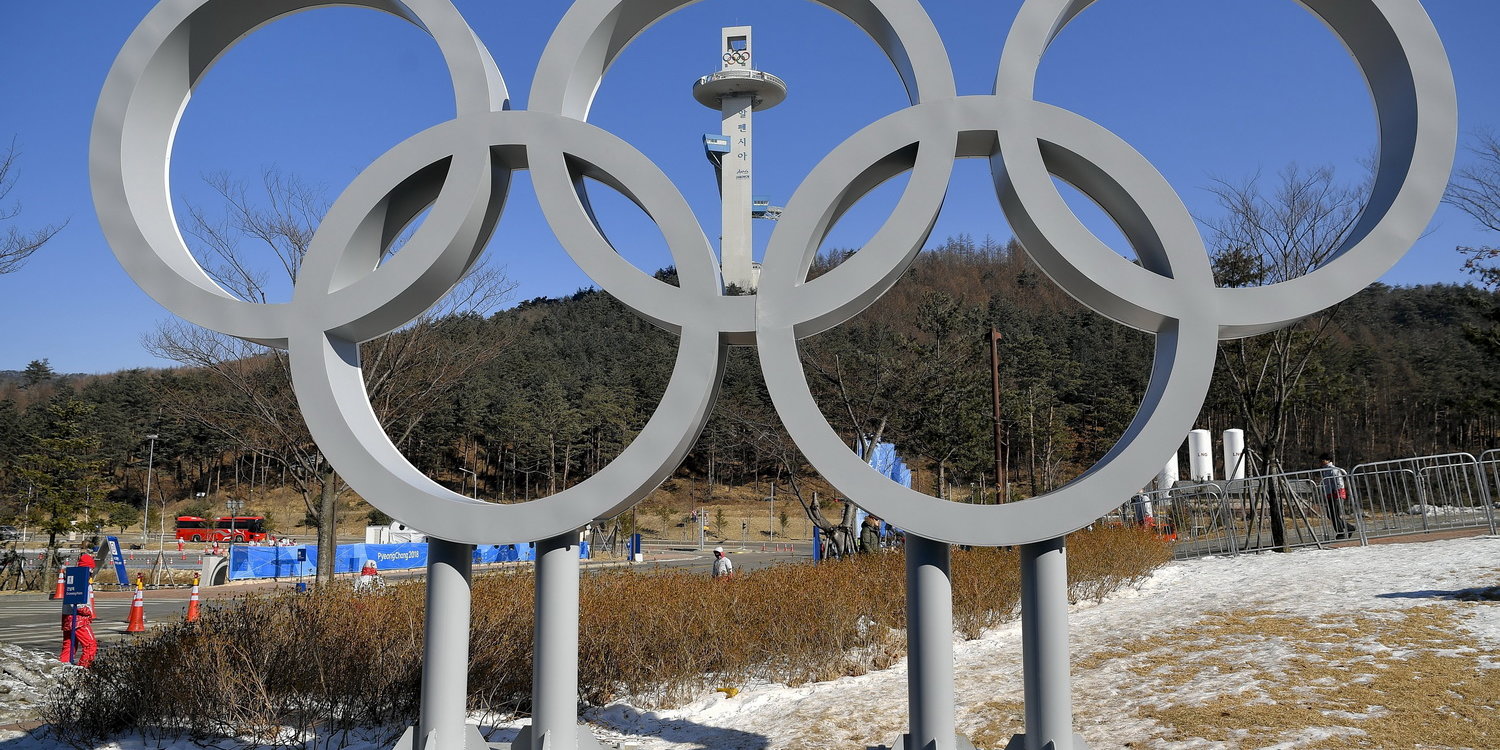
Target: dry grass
x,y
337,660
1390,680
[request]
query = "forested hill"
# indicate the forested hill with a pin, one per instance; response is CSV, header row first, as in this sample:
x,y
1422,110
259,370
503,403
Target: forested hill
x,y
553,389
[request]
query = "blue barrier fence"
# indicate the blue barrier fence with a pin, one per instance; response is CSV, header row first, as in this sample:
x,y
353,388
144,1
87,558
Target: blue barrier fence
x,y
291,562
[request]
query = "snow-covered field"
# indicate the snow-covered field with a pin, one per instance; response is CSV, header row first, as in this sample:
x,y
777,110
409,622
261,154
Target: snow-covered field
x,y
1347,648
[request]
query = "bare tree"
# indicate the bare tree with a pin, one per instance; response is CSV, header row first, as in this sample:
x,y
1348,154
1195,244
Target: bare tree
x,y
17,245
1264,237
1476,191
771,439
407,373
1476,187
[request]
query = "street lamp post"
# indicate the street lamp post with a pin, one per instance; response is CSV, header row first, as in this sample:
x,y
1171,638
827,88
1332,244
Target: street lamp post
x,y
26,514
475,494
771,513
146,510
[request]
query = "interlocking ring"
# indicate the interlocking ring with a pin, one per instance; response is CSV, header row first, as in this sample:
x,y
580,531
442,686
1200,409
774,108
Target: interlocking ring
x,y
737,57
460,169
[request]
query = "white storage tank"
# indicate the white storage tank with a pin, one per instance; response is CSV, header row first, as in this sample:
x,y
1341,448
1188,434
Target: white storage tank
x,y
1234,454
1200,456
1170,473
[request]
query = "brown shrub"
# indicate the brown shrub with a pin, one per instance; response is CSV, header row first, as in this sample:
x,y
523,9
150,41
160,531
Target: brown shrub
x,y
337,659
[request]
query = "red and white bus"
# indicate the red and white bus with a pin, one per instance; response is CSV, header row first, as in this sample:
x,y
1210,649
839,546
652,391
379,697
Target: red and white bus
x,y
238,529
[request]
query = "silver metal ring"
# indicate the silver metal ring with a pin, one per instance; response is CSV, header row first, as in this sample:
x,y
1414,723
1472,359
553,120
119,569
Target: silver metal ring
x,y
461,168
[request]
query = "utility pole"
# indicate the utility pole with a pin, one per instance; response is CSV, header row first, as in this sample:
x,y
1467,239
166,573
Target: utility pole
x,y
1000,480
146,513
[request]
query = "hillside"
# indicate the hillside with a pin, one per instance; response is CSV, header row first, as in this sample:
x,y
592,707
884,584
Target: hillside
x,y
553,389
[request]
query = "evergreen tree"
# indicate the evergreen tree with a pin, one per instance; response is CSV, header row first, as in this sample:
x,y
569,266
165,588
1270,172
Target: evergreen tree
x,y
62,468
37,371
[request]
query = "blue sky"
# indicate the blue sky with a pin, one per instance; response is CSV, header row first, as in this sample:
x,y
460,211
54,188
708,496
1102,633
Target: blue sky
x,y
1204,89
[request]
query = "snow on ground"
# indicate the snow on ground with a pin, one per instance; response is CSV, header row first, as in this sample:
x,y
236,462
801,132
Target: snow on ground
x,y
25,678
1117,647
1318,649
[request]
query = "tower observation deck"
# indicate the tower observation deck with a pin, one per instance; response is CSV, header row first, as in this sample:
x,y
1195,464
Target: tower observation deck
x,y
736,90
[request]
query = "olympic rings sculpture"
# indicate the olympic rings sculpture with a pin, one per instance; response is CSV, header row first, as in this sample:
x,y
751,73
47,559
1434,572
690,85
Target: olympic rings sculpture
x,y
738,57
344,295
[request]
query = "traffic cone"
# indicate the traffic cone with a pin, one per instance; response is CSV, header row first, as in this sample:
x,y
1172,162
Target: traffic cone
x,y
137,623
57,593
192,615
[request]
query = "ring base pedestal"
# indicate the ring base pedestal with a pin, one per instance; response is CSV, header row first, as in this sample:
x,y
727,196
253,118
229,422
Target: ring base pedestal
x,y
584,740
1018,742
960,742
472,740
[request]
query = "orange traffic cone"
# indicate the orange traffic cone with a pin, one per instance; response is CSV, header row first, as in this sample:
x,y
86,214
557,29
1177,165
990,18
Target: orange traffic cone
x,y
192,613
137,622
57,593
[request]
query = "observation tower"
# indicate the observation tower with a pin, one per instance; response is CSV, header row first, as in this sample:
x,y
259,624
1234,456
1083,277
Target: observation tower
x,y
737,90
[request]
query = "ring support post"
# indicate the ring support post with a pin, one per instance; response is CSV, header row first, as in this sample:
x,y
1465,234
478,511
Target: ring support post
x,y
554,670
929,637
445,645
1044,647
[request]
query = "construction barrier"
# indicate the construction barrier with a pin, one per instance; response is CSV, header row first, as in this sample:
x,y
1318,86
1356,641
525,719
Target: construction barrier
x,y
137,621
192,613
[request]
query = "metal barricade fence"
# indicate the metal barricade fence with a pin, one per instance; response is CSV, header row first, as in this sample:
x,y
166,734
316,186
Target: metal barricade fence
x,y
1381,499
1421,494
1306,520
1195,515
1489,467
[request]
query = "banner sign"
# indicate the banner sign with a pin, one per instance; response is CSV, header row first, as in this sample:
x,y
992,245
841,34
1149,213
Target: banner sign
x,y
499,553
392,556
118,558
248,561
885,460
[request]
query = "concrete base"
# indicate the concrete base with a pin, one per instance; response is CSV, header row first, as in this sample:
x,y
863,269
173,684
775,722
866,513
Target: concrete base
x,y
473,740
585,740
1018,742
960,742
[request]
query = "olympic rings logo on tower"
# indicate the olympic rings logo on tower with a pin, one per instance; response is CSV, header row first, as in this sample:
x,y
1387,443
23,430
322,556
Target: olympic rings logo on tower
x,y
344,295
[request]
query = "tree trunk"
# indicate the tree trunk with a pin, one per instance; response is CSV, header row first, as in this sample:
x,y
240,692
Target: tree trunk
x,y
1273,504
328,525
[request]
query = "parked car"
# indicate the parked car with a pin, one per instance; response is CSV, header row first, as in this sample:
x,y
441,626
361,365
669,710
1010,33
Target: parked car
x,y
9,533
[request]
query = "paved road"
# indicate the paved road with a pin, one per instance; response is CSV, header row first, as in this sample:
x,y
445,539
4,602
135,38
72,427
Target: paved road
x,y
33,621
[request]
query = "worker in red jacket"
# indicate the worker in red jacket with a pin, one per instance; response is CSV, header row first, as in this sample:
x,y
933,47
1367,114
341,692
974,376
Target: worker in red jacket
x,y
80,626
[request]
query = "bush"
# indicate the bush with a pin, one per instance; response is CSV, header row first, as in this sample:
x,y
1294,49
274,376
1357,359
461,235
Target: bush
x,y
336,660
